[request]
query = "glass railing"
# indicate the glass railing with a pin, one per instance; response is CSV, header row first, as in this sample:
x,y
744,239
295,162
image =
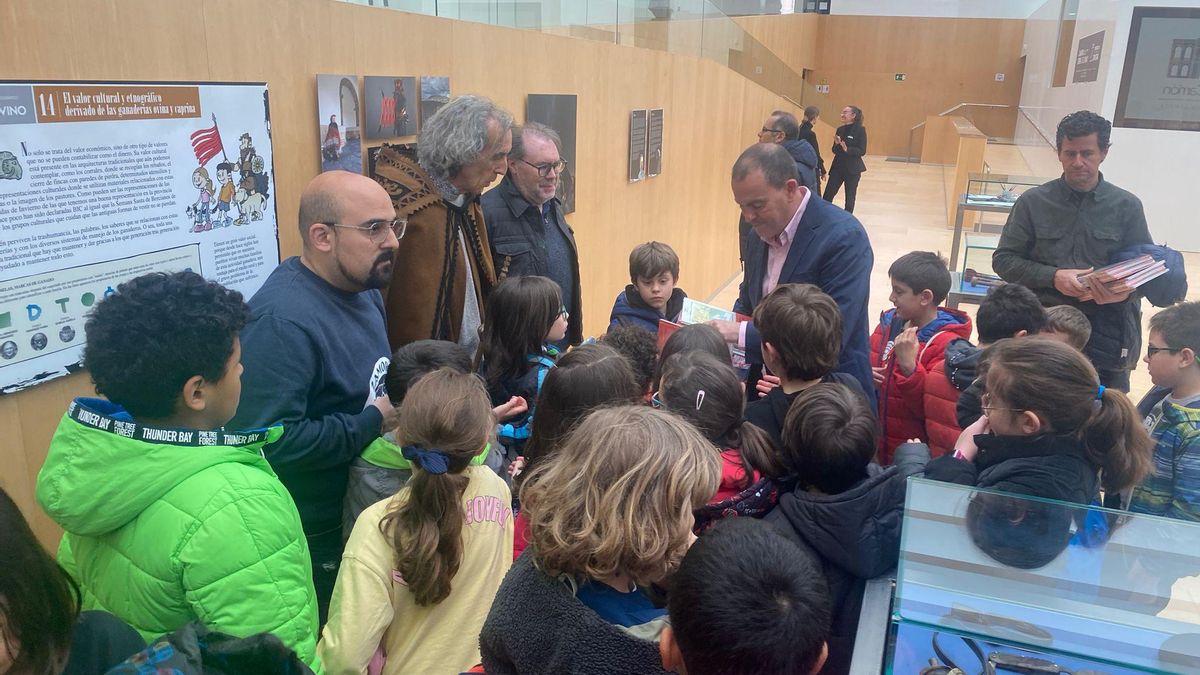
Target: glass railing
x,y
692,27
991,577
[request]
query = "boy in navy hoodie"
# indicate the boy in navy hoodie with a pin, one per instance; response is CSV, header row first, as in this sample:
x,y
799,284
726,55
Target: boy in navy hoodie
x,y
841,506
651,294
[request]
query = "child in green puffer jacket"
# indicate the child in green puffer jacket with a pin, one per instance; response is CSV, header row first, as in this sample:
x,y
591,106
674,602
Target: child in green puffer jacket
x,y
170,518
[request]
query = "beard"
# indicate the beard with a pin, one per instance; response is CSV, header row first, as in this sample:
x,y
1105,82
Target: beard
x,y
379,276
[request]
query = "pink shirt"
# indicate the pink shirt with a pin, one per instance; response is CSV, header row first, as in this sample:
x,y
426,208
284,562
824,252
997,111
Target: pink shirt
x,y
777,252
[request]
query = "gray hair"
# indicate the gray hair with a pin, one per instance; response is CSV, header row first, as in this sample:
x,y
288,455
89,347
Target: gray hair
x,y
458,133
533,129
773,160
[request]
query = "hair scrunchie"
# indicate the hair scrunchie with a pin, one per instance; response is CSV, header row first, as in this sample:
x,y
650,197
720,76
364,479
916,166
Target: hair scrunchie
x,y
1100,392
432,460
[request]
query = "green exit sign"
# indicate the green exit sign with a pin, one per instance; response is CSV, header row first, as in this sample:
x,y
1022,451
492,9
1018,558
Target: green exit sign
x,y
900,77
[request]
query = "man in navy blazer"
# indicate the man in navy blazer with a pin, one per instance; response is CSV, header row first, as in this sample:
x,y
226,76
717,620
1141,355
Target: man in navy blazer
x,y
800,238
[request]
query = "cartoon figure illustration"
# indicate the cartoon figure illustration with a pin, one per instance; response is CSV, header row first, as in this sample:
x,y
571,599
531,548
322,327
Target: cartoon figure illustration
x,y
252,168
200,212
225,196
249,203
10,166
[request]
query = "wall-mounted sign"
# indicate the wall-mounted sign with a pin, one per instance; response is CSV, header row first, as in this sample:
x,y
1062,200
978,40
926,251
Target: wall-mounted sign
x,y
654,143
822,89
999,77
1160,83
101,182
637,145
1087,58
900,77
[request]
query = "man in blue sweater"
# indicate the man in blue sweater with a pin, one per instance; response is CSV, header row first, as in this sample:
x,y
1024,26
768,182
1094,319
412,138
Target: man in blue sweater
x,y
315,353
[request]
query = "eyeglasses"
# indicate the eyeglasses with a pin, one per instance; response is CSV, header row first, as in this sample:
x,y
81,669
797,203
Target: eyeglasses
x,y
377,229
544,169
771,131
562,312
1152,350
986,404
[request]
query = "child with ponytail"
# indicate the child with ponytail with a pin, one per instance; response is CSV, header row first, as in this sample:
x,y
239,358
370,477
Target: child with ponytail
x,y
421,568
1049,428
706,392
525,316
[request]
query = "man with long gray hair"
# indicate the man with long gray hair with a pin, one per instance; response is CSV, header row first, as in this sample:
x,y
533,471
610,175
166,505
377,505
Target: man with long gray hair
x,y
444,271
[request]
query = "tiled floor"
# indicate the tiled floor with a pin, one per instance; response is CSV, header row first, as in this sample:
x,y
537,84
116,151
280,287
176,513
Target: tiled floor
x,y
902,207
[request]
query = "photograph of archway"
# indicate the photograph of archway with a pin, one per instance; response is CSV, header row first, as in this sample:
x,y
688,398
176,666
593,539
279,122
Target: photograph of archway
x,y
338,132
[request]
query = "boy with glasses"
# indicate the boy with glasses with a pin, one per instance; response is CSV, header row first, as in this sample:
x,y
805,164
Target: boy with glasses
x,y
1172,415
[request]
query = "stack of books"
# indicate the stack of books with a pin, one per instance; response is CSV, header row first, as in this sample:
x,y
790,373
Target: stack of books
x,y
1127,273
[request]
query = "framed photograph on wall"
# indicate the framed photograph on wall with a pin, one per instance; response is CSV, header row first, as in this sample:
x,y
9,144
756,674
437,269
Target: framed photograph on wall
x,y
1160,84
637,145
654,143
558,111
389,103
435,93
338,132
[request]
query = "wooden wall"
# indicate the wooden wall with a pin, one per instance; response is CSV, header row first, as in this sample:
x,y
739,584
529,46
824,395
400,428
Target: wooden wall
x,y
712,113
946,61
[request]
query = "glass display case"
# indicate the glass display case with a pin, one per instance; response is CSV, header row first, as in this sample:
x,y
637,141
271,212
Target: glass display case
x,y
998,188
996,583
975,276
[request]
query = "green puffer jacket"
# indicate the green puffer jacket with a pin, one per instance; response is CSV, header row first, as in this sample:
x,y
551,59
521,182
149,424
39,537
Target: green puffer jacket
x,y
167,526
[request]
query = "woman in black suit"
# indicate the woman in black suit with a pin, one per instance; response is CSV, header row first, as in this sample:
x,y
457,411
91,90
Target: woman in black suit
x,y
849,146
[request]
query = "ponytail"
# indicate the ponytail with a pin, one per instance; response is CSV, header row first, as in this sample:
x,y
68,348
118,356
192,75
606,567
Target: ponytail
x,y
1061,386
757,452
1117,441
445,421
427,533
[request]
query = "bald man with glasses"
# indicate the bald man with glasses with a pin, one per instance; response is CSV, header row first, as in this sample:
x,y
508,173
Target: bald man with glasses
x,y
526,226
315,352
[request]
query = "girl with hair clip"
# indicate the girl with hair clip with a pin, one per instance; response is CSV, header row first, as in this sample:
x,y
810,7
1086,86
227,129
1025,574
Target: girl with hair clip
x,y
586,378
1049,429
524,316
707,393
421,568
610,513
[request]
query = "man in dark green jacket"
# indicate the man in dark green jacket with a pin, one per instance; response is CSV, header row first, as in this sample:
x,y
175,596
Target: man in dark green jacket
x,y
1071,225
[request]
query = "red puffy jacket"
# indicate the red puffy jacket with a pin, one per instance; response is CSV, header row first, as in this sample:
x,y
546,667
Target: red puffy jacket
x,y
956,369
902,397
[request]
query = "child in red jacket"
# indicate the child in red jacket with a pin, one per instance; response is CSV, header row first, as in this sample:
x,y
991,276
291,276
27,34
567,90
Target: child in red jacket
x,y
909,341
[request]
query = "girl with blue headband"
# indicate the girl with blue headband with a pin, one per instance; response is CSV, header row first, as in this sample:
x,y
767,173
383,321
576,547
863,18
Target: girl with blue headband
x,y
421,568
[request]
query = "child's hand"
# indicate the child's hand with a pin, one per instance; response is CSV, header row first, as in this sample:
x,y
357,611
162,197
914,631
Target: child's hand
x,y
905,350
766,384
965,448
515,406
877,375
515,468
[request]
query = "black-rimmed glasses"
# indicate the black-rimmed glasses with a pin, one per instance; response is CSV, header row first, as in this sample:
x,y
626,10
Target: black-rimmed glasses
x,y
1152,350
544,169
771,131
377,229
